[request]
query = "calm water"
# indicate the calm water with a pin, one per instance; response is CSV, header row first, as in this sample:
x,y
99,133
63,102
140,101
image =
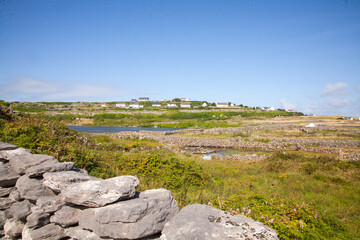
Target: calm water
x,y
118,129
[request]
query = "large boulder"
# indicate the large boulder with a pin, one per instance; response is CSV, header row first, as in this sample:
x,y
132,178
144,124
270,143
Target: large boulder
x,y
98,193
132,219
8,177
7,146
50,204
7,155
32,189
50,231
57,181
39,170
203,222
66,216
20,163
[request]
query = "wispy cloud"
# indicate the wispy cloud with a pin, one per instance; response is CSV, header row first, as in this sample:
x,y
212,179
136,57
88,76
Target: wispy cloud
x,y
30,89
335,89
286,105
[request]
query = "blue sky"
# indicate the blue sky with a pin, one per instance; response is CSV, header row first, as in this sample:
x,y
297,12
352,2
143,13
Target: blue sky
x,y
290,54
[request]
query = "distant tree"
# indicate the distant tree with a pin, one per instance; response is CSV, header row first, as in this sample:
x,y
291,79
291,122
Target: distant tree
x,y
176,100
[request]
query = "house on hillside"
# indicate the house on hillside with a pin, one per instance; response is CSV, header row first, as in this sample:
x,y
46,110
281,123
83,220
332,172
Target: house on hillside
x,y
156,104
135,105
144,99
185,105
103,105
172,105
222,105
121,104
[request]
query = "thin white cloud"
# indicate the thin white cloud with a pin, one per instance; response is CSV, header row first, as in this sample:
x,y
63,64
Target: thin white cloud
x,y
30,89
287,105
335,89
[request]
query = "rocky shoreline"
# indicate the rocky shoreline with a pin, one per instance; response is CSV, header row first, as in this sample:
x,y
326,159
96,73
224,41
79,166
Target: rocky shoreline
x,y
42,198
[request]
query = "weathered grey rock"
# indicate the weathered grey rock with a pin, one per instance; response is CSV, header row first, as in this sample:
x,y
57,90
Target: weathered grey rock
x,y
37,218
13,228
4,192
8,177
7,146
20,210
98,193
50,231
20,163
78,233
32,189
5,156
204,222
60,180
50,204
39,170
5,203
15,195
66,216
131,219
2,219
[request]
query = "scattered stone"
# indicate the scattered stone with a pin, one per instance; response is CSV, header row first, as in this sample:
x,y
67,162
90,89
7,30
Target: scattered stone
x,y
50,231
20,163
37,218
7,146
204,222
66,216
131,219
4,192
81,234
8,177
13,228
39,170
60,180
20,210
50,204
32,189
98,193
5,203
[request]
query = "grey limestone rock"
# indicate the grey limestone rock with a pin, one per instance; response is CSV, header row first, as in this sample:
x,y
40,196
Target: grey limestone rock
x,y
203,222
7,155
66,216
13,228
20,210
5,203
4,192
8,177
15,195
50,204
60,180
32,189
37,218
77,233
50,231
20,163
2,219
7,146
98,193
131,219
39,170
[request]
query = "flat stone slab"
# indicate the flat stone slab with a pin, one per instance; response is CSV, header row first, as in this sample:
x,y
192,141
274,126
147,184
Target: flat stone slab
x,y
8,177
20,210
7,155
131,219
39,170
37,218
7,146
98,193
50,231
203,222
66,217
20,163
4,192
5,203
79,233
32,189
50,204
57,181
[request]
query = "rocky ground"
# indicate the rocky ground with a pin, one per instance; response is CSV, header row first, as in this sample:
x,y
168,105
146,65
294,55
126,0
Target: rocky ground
x,y
41,198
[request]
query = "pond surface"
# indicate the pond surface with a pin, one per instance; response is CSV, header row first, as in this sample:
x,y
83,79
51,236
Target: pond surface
x,y
103,129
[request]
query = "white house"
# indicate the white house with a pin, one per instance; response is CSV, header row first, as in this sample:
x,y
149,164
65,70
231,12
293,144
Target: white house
x,y
144,99
121,105
222,105
156,104
171,105
204,104
135,105
103,105
185,105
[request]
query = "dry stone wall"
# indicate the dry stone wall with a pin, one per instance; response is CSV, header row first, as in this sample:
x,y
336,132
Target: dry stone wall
x,y
41,198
